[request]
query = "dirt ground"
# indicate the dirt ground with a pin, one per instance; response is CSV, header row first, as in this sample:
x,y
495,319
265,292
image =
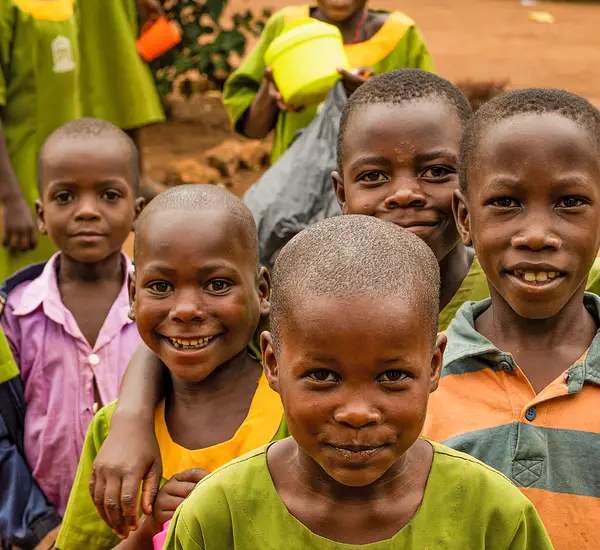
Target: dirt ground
x,y
477,40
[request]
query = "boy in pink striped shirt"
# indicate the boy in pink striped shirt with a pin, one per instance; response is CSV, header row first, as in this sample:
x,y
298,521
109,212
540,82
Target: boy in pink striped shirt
x,y
67,321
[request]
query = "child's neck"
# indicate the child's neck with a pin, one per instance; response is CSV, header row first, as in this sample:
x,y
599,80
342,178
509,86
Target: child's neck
x,y
542,348
453,270
88,291
348,27
356,515
203,414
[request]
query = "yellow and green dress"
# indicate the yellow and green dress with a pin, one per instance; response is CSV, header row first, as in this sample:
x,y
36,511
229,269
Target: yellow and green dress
x,y
116,84
82,526
398,44
39,91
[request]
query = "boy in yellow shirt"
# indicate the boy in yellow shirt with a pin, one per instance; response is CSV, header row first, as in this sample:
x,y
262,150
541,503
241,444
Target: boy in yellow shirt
x,y
197,297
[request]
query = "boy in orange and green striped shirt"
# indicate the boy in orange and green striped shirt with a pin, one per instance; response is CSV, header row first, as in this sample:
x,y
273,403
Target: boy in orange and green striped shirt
x,y
521,374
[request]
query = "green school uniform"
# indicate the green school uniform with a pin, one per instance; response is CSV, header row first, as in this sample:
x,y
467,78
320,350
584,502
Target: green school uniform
x,y
116,84
466,505
398,44
8,366
474,288
39,73
83,527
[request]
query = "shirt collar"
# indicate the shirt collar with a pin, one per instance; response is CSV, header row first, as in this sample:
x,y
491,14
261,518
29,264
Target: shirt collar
x,y
465,342
44,292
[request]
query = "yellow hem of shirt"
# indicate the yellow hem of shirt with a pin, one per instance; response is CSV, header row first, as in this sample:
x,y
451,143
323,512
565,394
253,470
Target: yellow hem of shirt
x,y
369,52
47,10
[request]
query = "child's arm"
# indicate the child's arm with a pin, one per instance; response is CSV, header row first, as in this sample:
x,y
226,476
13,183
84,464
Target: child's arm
x,y
17,218
249,99
531,533
130,453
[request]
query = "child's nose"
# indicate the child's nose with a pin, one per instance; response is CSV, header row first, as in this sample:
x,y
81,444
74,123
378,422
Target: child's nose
x,y
357,414
408,193
188,309
87,209
536,234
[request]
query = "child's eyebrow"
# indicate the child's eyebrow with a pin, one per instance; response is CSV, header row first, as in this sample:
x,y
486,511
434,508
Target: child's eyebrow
x,y
432,155
378,160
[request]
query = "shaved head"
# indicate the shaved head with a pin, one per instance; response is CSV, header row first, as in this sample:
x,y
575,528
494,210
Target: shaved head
x,y
202,198
90,129
353,255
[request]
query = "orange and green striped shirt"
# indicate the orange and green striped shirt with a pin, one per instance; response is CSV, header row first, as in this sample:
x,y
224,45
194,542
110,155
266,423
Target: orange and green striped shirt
x,y
548,443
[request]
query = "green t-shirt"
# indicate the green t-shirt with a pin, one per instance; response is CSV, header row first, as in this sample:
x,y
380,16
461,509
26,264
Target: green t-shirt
x,y
398,44
82,526
116,84
39,91
475,288
466,505
8,367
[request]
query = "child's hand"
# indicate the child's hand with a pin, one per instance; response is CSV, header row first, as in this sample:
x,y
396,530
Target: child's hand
x,y
18,226
352,80
117,473
148,8
173,493
275,95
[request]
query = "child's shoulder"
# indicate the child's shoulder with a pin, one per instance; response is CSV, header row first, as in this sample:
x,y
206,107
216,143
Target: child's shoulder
x,y
474,479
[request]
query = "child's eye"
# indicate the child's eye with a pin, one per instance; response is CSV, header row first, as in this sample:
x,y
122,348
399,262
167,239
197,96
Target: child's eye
x,y
111,196
437,172
503,202
323,376
63,197
373,177
571,202
392,376
159,287
218,286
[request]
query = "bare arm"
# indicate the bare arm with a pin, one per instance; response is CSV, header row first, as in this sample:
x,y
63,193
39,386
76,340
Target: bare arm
x,y
130,453
17,220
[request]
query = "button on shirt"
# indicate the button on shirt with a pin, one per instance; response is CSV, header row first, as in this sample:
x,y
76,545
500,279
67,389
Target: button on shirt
x,y
547,443
58,368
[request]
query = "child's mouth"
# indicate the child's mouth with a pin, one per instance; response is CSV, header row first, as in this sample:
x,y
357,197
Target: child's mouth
x,y
536,276
191,343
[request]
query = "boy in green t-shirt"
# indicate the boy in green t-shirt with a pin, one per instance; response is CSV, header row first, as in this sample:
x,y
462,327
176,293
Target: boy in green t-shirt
x,y
375,41
355,473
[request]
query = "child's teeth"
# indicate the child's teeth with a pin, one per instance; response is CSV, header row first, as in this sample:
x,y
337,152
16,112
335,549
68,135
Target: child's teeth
x,y
541,276
529,276
552,274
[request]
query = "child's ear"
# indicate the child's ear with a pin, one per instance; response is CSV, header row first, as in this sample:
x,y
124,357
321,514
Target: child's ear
x,y
461,217
264,291
131,288
339,189
269,358
41,223
436,361
140,202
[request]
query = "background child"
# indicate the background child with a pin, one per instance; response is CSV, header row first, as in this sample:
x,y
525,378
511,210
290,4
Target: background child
x,y
355,395
66,322
379,40
39,91
197,297
116,84
520,381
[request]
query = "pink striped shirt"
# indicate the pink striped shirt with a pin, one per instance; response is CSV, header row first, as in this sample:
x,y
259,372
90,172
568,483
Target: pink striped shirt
x,y
58,368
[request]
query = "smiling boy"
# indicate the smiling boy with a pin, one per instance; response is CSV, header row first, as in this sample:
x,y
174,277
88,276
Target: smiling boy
x,y
521,377
355,473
